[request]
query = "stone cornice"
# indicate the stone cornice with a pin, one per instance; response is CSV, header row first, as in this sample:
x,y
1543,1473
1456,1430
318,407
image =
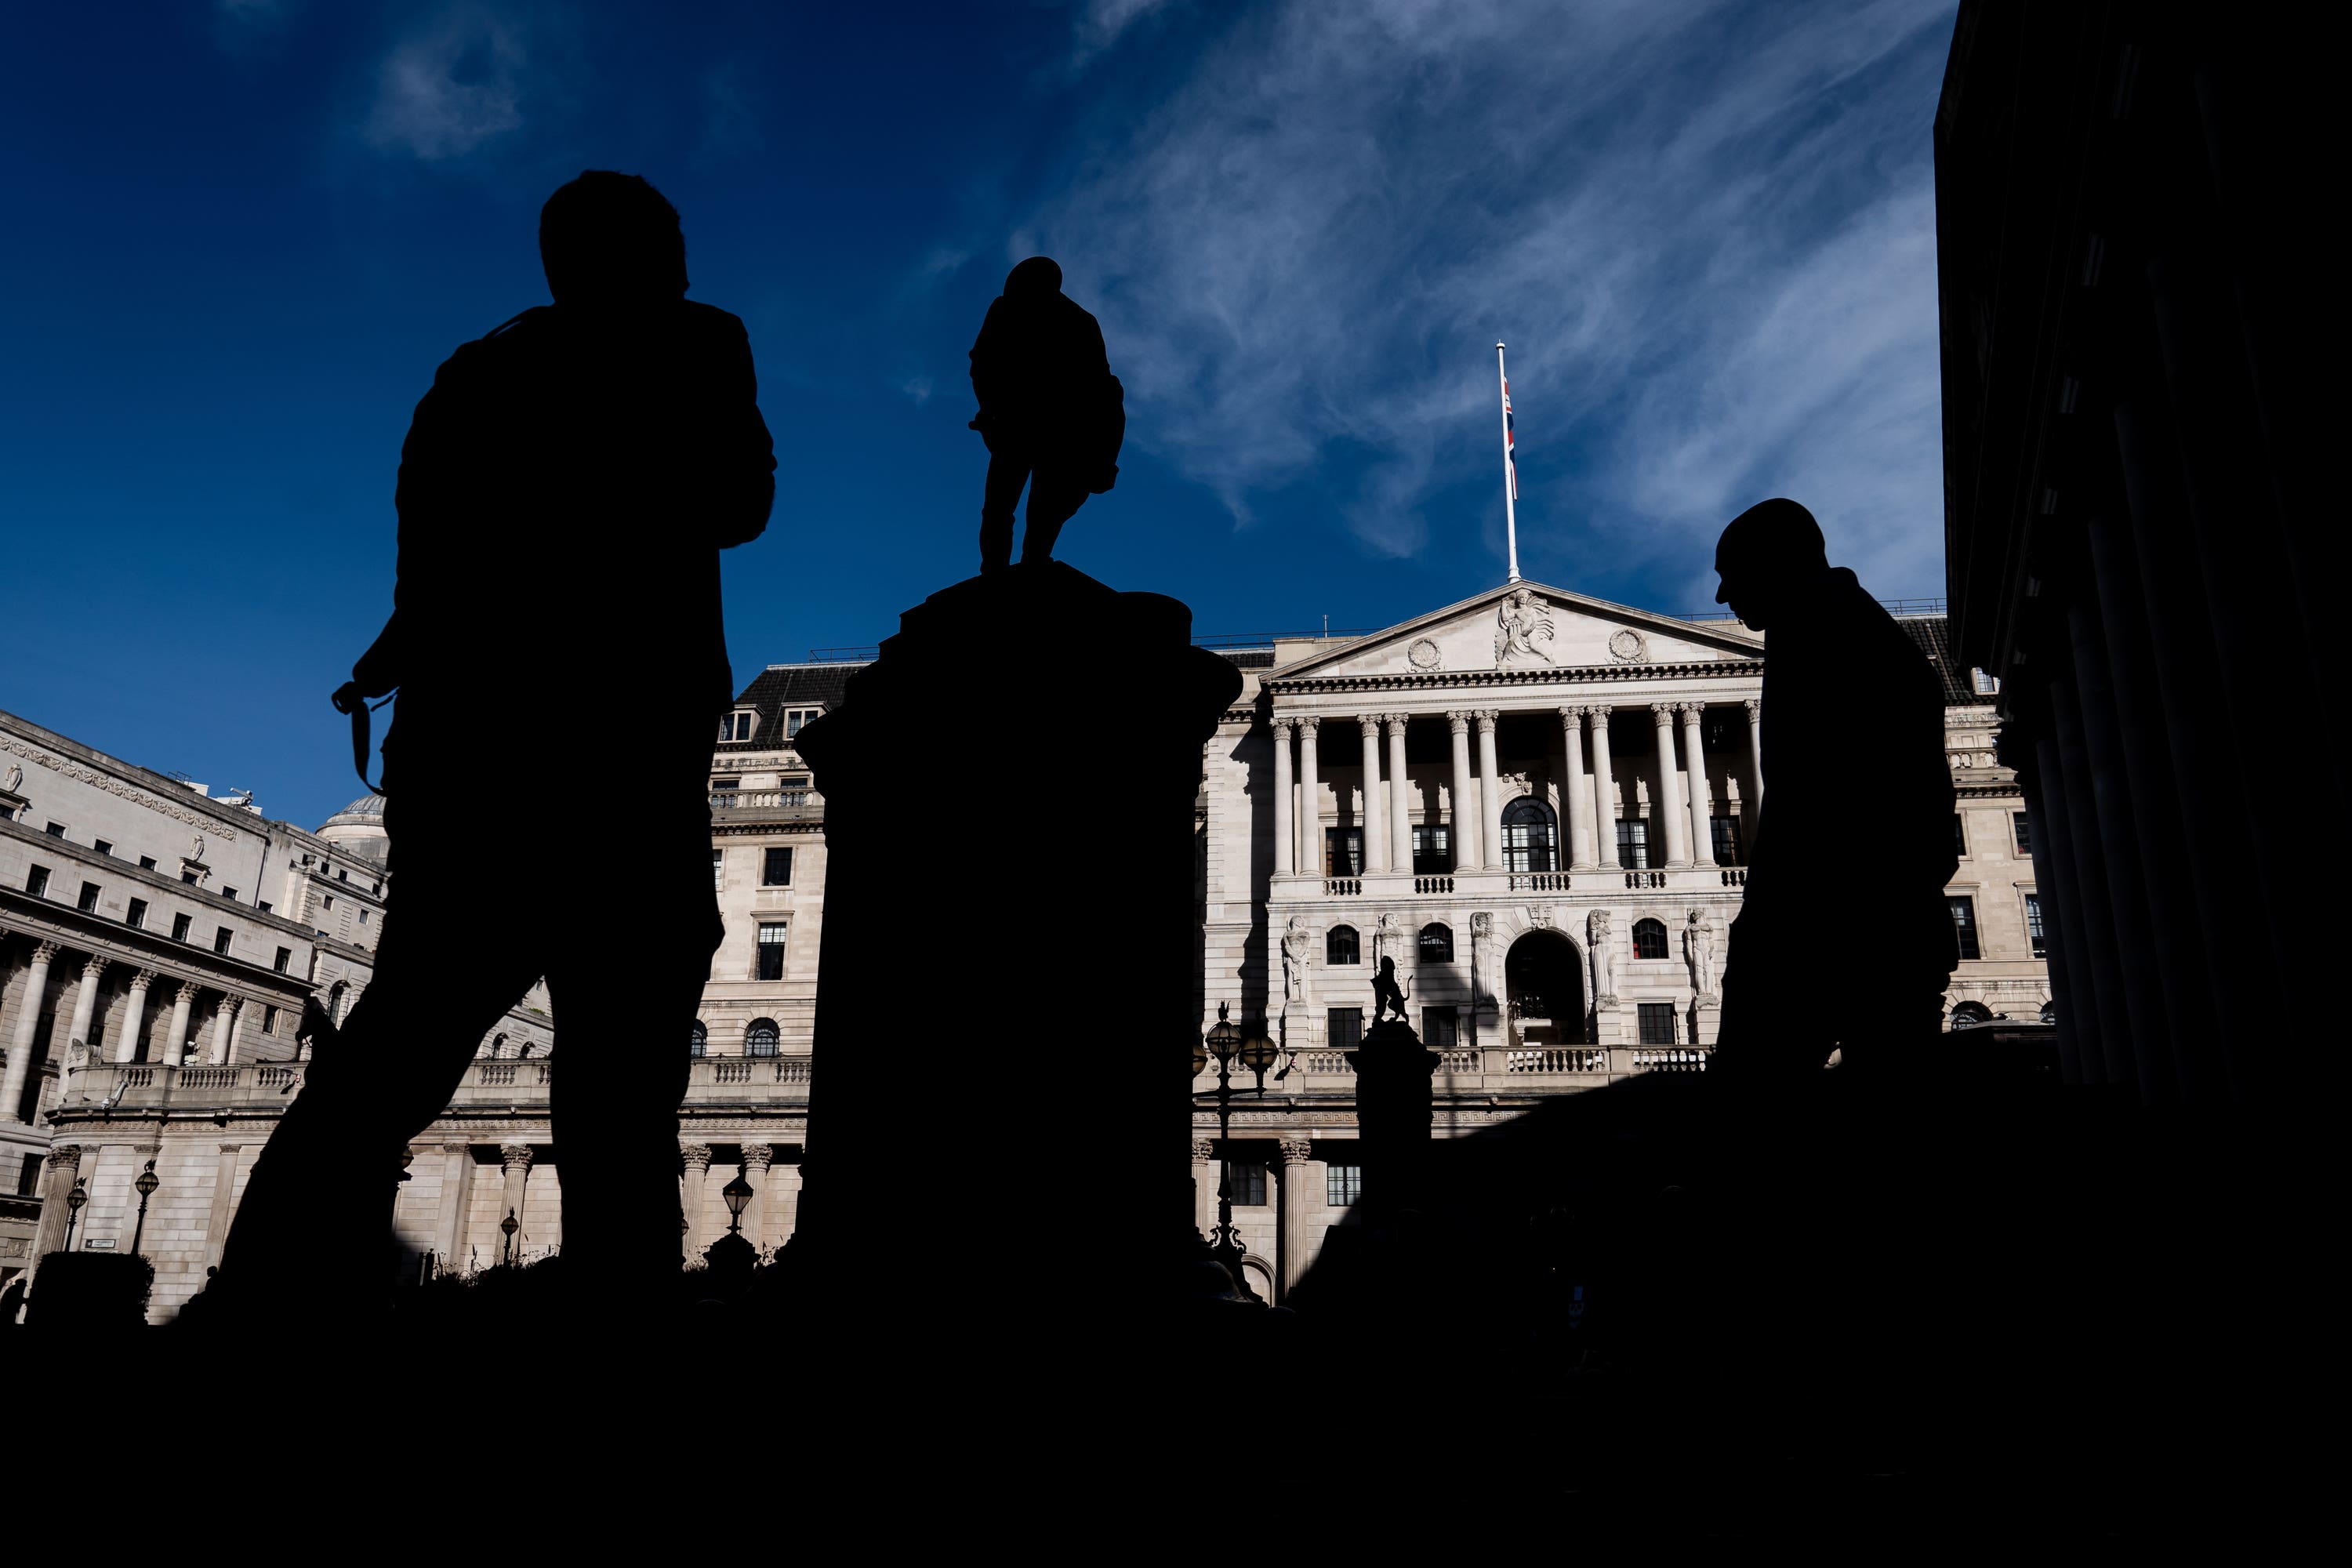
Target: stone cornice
x,y
47,749
115,865
137,949
1994,791
736,828
1741,670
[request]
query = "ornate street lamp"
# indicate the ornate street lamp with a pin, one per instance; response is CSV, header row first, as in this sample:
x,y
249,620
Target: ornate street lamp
x,y
1225,1041
146,1184
74,1200
738,1194
507,1228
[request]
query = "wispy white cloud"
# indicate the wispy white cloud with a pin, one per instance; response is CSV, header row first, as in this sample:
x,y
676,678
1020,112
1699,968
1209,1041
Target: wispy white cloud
x,y
449,88
917,387
1705,227
1099,24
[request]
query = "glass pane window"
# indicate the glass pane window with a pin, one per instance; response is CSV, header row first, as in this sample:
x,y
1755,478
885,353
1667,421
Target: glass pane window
x,y
1344,1028
1959,837
1439,1029
1342,946
1342,1184
1529,843
737,727
37,882
88,903
1343,851
719,867
1433,851
1634,845
700,1045
1248,1177
180,924
1436,944
1727,840
795,788
796,719
763,1039
221,939
136,916
1648,939
1964,926
2024,832
2034,930
1657,1020
776,867
772,949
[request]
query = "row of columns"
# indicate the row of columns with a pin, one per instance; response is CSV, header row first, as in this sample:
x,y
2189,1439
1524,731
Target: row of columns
x,y
1299,1197
227,1019
761,1172
1591,828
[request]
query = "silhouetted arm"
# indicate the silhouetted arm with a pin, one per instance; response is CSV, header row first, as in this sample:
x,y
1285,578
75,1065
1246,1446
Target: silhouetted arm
x,y
741,474
988,367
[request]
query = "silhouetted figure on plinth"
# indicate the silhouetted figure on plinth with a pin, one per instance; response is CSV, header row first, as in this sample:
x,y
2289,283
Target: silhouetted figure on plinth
x,y
1387,994
565,492
1050,410
1853,766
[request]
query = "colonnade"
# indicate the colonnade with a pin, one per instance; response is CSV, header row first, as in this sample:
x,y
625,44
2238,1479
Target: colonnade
x,y
1590,835
771,1216
88,970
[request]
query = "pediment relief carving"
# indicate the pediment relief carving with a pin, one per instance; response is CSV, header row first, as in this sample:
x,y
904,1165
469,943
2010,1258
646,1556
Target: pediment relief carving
x,y
1529,628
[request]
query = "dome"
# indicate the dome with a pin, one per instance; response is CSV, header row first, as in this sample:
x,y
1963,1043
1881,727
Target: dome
x,y
358,827
365,812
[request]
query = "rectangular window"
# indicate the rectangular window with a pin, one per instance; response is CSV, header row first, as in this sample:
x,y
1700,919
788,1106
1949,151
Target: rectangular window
x,y
2034,930
1727,840
188,879
285,957
1249,1183
1439,1029
103,847
1964,926
229,893
29,1176
136,917
269,1020
329,902
776,867
220,939
2025,834
1632,843
146,862
1343,851
795,790
88,903
727,786
1657,1023
796,719
180,924
772,951
1344,1028
736,727
263,905
1342,1184
37,882
1431,850
1987,685
719,867
342,876
56,830
1959,837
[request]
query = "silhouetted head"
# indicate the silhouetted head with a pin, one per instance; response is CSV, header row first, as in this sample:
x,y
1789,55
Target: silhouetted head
x,y
1037,276
610,239
1766,553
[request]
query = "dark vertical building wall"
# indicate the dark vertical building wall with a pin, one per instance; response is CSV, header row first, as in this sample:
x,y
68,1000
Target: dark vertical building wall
x,y
2138,294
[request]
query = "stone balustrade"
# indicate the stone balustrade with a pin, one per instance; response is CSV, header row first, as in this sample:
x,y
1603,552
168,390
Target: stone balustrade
x,y
149,1087
1472,883
1467,1069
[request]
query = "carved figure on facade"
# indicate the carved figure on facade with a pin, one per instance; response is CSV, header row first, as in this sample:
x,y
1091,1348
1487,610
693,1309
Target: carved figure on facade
x,y
1389,936
1698,948
1296,944
1482,961
1604,958
1521,624
16,777
1386,993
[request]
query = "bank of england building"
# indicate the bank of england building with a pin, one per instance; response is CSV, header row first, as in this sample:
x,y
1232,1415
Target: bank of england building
x,y
1534,803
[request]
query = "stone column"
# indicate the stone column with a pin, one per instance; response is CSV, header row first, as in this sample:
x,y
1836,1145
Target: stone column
x,y
28,1024
696,1160
223,1205
456,1194
1604,789
1490,792
86,999
1578,794
784,1210
57,1186
1702,824
1286,830
516,1159
183,1001
757,1158
1667,806
1755,705
1204,1187
1310,800
1465,815
1375,823
1301,1197
134,1010
224,1027
1400,797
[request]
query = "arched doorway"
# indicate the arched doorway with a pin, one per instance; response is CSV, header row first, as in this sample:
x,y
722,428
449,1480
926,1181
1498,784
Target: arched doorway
x,y
1545,980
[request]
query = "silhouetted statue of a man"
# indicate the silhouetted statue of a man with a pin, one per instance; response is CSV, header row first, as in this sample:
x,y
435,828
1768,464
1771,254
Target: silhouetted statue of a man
x,y
1849,863
1050,410
565,492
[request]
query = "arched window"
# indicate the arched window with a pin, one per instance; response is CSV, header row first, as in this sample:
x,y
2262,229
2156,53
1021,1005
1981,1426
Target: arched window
x,y
1969,1014
764,1039
701,1045
1437,944
1342,946
1529,840
1649,939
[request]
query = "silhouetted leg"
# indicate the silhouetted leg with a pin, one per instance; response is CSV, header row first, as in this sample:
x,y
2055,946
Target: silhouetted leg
x,y
1054,500
309,1230
1771,1029
1006,475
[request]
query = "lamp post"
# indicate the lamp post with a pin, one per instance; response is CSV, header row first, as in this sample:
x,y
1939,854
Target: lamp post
x,y
507,1228
738,1194
74,1200
1225,1042
146,1184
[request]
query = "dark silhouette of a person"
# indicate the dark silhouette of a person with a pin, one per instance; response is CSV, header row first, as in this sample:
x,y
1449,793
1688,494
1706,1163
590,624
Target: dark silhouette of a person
x,y
1854,777
565,492
1050,410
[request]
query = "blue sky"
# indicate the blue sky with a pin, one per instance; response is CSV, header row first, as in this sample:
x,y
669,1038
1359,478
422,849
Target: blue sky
x,y
242,234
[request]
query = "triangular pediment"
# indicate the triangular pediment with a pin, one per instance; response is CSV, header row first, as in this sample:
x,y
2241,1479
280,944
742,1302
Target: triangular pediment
x,y
1549,628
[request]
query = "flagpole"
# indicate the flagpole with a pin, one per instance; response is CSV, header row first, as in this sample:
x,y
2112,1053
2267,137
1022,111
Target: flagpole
x,y
1510,500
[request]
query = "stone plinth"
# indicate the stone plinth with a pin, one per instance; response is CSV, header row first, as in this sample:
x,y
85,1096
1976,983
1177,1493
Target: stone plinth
x,y
1010,906
1393,1101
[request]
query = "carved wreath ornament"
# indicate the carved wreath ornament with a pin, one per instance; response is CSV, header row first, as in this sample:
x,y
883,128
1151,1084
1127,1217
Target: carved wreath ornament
x,y
1423,653
1628,646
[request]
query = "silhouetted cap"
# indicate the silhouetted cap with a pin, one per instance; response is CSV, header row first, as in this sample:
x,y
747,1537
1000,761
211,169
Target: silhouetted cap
x,y
1777,534
1038,275
609,237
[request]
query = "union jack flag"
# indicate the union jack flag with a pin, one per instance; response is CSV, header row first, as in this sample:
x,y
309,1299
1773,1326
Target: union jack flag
x,y
1510,449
